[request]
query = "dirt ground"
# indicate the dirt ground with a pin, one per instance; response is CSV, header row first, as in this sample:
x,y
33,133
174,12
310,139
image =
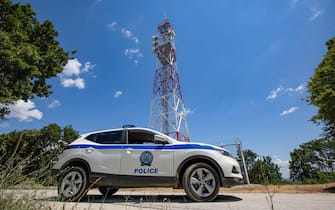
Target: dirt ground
x,y
256,188
312,188
258,197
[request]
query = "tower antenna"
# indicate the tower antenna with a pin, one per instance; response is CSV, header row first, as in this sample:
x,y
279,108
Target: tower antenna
x,y
165,18
167,113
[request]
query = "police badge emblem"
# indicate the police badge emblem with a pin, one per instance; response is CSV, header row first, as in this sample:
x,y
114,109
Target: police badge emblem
x,y
146,158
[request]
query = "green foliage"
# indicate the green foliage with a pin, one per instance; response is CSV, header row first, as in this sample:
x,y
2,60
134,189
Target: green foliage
x,y
29,54
264,171
321,88
69,134
250,158
313,162
29,153
261,170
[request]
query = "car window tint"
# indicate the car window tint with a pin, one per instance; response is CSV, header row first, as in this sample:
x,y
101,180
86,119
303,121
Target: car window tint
x,y
91,137
140,137
113,137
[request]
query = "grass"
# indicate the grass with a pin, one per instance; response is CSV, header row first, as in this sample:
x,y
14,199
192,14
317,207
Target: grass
x,y
12,181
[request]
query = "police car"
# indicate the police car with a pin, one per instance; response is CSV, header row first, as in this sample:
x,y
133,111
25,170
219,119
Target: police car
x,y
140,157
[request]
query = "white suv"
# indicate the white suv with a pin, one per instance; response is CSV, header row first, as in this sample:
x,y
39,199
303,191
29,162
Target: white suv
x,y
141,157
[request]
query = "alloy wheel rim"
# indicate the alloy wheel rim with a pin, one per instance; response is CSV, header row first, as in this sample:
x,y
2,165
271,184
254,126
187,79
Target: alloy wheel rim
x,y
203,182
71,184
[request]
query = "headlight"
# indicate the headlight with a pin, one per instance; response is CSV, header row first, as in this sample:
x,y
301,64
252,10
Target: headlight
x,y
226,153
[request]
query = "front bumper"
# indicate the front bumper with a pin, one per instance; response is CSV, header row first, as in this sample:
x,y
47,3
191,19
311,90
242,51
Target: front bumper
x,y
231,181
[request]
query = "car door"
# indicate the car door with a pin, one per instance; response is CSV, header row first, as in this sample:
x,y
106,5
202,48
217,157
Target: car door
x,y
142,157
105,156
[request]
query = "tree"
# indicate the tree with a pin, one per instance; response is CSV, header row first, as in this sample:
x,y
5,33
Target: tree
x,y
29,55
69,134
261,170
264,171
313,162
250,158
51,133
321,89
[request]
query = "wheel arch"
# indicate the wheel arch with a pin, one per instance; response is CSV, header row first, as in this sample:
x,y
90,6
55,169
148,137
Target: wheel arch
x,y
198,159
77,162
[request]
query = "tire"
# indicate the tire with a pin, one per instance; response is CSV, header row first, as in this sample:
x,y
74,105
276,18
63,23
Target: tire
x,y
107,191
73,184
201,182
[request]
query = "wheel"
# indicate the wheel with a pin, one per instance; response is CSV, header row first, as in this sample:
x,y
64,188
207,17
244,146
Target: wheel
x,y
107,191
73,184
201,182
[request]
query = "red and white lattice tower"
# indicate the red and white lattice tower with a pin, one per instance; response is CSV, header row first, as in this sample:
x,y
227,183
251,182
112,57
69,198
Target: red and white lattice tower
x,y
167,113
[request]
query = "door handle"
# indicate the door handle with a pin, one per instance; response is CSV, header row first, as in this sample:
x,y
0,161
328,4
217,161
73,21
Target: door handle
x,y
89,150
129,150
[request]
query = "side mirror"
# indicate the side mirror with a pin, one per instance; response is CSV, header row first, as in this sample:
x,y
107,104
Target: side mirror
x,y
158,139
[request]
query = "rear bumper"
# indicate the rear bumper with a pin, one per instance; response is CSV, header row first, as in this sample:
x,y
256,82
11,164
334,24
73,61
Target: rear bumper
x,y
54,175
231,181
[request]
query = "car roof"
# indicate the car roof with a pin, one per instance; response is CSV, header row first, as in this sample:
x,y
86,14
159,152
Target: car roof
x,y
129,128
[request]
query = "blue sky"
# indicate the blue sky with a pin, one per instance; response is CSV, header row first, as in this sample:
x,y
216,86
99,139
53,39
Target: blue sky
x,y
243,68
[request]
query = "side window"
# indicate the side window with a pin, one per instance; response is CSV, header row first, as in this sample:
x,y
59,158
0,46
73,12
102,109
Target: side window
x,y
113,137
92,137
140,137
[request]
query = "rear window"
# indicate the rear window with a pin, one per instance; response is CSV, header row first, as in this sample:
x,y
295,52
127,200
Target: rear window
x,y
113,137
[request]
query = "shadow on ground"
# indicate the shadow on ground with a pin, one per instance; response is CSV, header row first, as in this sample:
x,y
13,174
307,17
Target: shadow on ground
x,y
330,190
148,199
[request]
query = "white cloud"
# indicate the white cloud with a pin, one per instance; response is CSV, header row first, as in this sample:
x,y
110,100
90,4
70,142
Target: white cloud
x,y
130,35
69,82
24,111
117,94
133,54
283,165
315,14
131,51
136,40
54,104
126,33
274,93
289,111
74,68
188,111
112,26
281,90
301,88
87,67
139,55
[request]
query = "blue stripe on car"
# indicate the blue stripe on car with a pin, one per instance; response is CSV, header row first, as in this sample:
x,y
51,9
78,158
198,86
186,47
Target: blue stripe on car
x,y
143,147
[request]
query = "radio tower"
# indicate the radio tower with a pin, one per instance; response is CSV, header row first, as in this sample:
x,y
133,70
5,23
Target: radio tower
x,y
167,112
